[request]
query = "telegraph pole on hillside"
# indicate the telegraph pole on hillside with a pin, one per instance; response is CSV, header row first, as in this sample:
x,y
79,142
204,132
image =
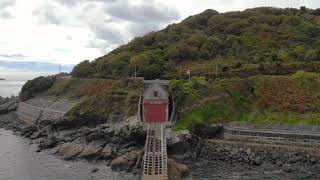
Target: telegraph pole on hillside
x,y
189,73
135,72
59,68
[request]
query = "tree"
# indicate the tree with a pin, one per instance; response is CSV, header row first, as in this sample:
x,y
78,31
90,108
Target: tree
x,y
283,56
136,61
312,55
83,70
299,52
213,45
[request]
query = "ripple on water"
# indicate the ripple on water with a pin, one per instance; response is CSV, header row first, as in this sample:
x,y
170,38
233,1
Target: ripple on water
x,y
19,161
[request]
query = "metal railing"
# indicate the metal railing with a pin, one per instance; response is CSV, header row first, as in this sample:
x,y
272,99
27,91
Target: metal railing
x,y
154,164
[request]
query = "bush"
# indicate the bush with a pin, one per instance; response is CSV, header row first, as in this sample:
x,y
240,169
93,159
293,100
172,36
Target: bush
x,y
83,70
37,85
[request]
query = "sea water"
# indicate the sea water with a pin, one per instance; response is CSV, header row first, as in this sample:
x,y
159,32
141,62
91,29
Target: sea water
x,y
10,87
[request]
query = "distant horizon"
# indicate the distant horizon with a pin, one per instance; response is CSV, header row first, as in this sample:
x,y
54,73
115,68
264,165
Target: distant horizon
x,y
25,70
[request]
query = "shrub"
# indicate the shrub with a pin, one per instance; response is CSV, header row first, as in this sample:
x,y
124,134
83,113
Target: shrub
x,y
83,70
37,85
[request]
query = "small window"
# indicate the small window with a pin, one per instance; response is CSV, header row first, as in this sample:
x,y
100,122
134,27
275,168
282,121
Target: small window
x,y
155,93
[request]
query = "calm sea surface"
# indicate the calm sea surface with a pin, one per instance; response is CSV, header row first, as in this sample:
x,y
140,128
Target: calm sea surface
x,y
10,87
19,161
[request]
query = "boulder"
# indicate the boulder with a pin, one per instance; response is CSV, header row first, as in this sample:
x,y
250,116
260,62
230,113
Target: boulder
x,y
130,129
177,142
70,150
107,152
89,152
126,161
28,130
177,171
257,161
207,132
48,142
287,168
8,104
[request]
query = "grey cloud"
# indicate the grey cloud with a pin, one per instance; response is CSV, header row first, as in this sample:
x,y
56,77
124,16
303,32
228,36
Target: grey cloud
x,y
105,17
68,37
73,3
139,29
145,12
7,3
102,45
107,33
69,3
5,15
13,56
48,14
4,4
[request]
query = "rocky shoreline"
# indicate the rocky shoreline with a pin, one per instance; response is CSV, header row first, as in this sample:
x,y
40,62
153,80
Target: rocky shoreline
x,y
118,142
120,145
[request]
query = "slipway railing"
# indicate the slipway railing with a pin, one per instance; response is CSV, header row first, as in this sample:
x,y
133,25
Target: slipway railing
x,y
292,137
155,157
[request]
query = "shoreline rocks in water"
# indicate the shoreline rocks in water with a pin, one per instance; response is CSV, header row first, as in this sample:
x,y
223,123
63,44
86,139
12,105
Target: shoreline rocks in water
x,y
8,104
120,144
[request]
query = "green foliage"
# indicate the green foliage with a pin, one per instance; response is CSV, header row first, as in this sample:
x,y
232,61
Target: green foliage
x,y
299,52
312,55
272,117
254,36
284,56
257,99
83,70
207,114
179,90
308,81
37,85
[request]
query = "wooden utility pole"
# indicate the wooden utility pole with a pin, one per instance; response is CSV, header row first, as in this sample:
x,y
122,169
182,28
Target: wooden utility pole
x,y
135,72
216,70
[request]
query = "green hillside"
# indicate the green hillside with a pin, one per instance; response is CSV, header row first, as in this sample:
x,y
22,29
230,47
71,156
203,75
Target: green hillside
x,y
260,65
217,43
292,99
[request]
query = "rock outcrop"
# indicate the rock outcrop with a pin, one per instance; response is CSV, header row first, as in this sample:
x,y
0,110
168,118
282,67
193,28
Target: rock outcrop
x,y
8,104
127,161
70,150
176,170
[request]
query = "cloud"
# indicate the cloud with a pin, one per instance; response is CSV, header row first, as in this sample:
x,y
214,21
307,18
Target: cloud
x,y
18,56
4,5
69,3
91,28
73,3
48,14
108,34
5,15
139,29
7,3
146,11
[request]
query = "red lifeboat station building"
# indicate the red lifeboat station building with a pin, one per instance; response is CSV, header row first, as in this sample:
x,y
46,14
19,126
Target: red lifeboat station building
x,y
155,101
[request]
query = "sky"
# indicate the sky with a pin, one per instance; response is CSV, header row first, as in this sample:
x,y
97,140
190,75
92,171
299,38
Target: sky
x,y
70,31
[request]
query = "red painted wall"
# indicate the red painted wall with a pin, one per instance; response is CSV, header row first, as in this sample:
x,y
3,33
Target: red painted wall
x,y
155,112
